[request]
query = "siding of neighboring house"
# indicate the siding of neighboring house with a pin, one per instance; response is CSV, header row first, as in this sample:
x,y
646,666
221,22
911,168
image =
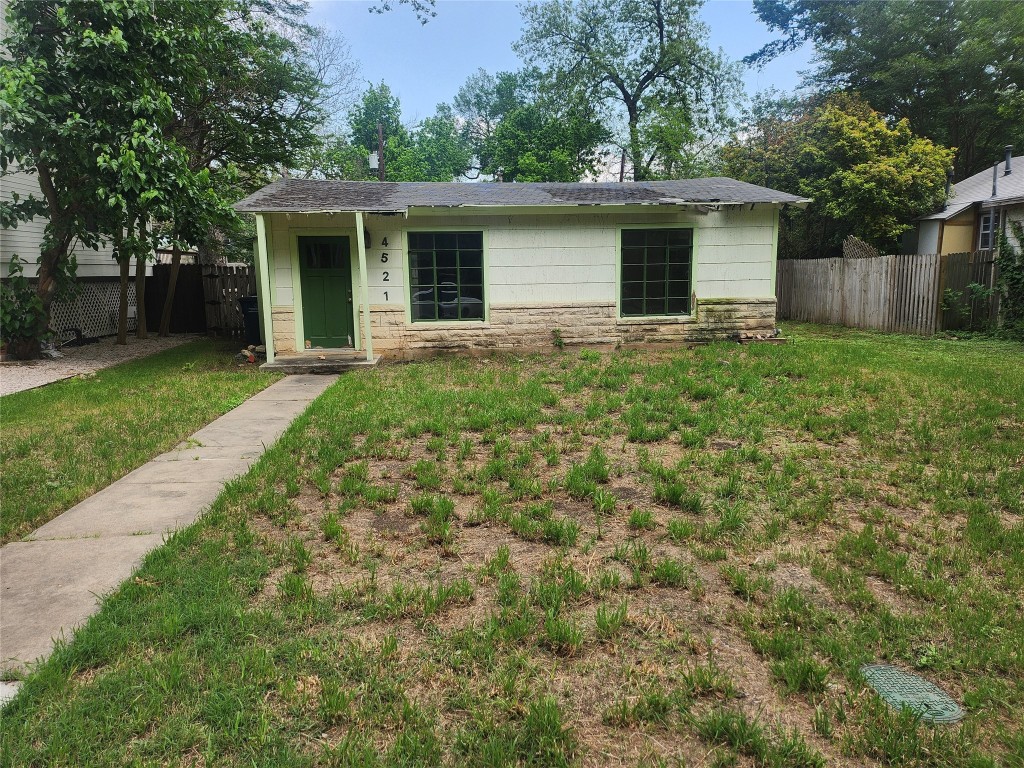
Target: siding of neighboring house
x,y
27,237
928,236
959,233
545,271
94,309
956,229
1014,213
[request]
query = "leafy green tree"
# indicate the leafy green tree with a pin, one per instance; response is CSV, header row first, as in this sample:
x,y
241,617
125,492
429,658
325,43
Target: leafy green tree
x,y
483,100
517,130
128,109
953,68
866,178
646,62
433,150
250,99
532,144
436,151
82,108
424,9
379,105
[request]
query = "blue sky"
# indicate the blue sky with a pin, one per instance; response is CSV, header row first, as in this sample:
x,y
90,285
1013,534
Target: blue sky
x,y
426,64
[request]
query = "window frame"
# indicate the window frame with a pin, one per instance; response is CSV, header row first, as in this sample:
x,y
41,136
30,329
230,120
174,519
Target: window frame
x,y
484,285
992,216
675,317
987,217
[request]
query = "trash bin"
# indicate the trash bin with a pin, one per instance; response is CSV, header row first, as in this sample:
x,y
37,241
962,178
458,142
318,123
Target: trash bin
x,y
251,317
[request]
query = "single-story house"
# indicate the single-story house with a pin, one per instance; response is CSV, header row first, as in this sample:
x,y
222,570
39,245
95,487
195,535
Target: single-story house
x,y
978,209
497,266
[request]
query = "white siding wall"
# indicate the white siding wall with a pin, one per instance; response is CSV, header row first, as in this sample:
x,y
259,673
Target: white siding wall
x,y
1013,213
548,258
928,236
26,238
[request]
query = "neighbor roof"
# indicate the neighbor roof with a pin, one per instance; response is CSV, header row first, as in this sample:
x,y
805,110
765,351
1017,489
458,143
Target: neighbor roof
x,y
316,195
978,189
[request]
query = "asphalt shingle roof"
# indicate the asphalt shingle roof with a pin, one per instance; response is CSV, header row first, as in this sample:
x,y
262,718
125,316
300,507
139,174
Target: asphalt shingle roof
x,y
314,195
978,189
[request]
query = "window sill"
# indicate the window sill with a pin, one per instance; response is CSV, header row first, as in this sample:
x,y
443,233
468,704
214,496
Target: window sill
x,y
445,325
655,320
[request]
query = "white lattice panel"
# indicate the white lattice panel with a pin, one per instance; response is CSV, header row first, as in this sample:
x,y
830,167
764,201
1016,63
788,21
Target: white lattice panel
x,y
93,311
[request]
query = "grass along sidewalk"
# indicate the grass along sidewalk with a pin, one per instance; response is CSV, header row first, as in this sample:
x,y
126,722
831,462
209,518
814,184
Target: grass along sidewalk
x,y
642,558
63,442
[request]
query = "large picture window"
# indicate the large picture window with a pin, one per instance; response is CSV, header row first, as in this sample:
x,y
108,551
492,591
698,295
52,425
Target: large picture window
x,y
446,275
656,267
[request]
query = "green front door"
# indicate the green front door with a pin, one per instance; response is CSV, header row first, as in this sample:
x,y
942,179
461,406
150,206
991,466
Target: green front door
x,y
326,277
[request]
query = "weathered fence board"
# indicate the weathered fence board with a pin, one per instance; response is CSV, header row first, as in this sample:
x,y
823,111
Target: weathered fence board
x,y
188,309
223,286
905,293
967,293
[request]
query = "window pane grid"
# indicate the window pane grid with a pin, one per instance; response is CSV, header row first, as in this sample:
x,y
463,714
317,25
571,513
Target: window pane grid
x,y
655,272
446,275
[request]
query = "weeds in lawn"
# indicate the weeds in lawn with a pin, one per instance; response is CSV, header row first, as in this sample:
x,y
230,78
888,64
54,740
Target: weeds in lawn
x,y
570,560
610,620
642,520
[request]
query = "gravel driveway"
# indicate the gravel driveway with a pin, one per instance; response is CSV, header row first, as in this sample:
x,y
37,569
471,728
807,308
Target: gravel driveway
x,y
19,376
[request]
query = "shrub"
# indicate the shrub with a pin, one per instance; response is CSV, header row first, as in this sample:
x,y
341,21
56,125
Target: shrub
x,y
22,320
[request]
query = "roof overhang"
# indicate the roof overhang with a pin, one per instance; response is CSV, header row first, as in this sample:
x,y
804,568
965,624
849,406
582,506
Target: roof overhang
x,y
950,211
702,206
1001,201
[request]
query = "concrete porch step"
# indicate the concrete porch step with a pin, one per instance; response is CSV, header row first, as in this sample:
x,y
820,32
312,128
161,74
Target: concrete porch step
x,y
320,362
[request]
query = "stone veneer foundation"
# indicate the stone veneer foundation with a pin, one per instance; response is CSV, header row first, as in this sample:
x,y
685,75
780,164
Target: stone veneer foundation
x,y
532,326
283,320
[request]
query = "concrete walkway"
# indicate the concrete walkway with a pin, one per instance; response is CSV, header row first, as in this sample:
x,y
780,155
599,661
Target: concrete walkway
x,y
53,580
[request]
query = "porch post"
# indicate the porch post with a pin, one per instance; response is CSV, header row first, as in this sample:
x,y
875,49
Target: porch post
x,y
775,254
263,273
364,289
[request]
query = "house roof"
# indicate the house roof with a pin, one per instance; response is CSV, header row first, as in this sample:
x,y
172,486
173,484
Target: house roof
x,y
317,195
978,189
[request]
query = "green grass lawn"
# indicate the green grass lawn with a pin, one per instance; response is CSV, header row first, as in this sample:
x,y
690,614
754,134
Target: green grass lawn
x,y
65,441
658,557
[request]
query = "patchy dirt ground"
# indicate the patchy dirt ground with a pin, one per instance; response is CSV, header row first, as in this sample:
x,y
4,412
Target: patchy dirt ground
x,y
675,557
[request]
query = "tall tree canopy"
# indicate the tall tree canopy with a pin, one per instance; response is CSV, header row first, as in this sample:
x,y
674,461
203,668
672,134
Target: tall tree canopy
x,y
646,62
433,150
865,178
522,134
127,108
953,68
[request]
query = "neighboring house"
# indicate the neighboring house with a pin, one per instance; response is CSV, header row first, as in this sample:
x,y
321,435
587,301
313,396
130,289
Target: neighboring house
x,y
498,266
977,211
94,310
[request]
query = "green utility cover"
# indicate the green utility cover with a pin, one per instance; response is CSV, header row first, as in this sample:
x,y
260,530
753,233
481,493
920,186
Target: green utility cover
x,y
902,689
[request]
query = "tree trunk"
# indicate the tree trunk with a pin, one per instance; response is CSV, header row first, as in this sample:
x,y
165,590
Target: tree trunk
x,y
51,259
25,349
635,151
172,283
46,285
122,307
140,284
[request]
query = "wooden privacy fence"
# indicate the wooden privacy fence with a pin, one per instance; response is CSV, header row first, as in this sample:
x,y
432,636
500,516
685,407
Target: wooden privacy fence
x,y
908,293
188,312
223,286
